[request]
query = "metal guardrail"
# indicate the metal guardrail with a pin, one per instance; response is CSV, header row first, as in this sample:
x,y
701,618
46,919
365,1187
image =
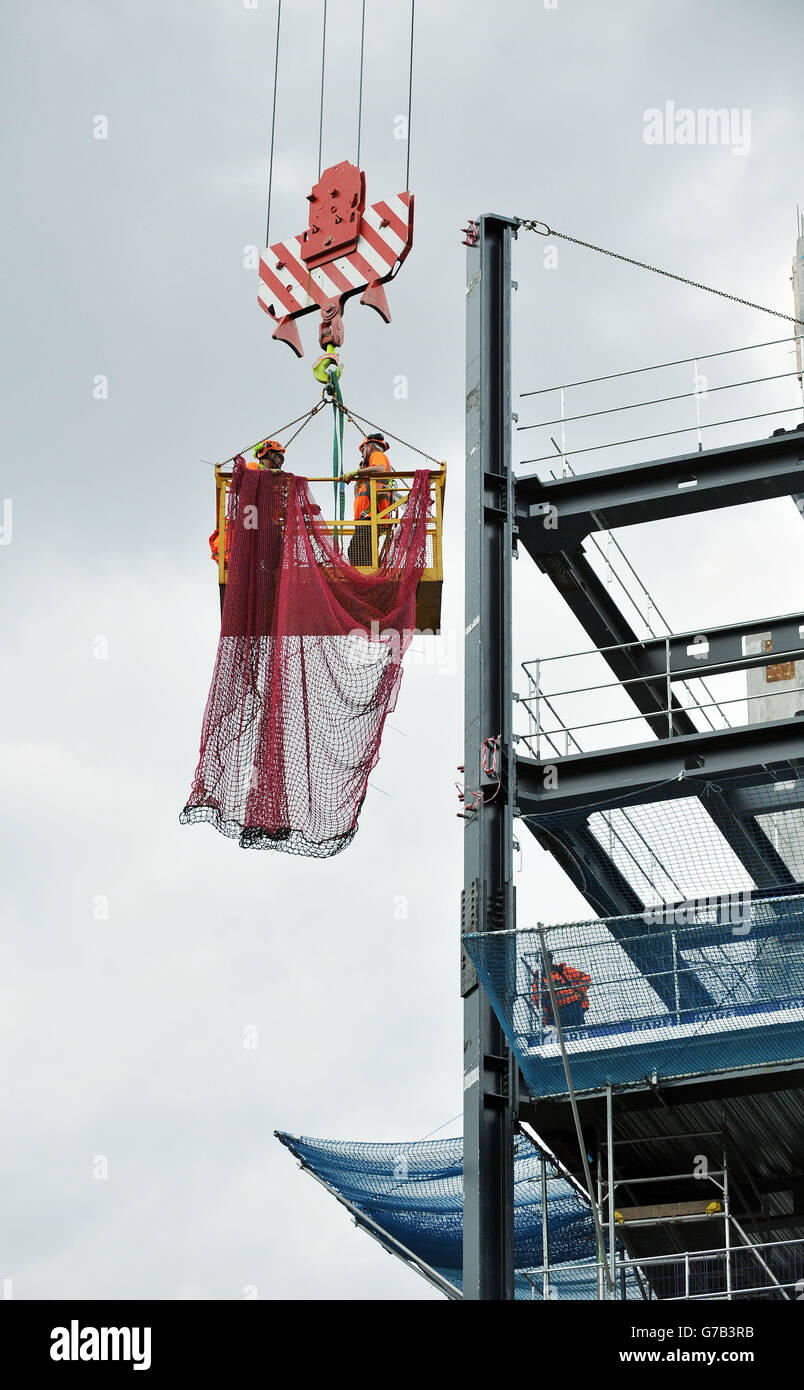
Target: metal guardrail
x,y
771,1269
686,403
376,523
548,728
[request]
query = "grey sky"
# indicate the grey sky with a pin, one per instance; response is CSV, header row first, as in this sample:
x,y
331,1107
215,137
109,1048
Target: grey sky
x,y
124,257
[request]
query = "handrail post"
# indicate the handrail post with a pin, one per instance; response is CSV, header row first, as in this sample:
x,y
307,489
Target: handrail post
x,y
727,1214
669,689
222,497
537,701
438,489
697,396
373,515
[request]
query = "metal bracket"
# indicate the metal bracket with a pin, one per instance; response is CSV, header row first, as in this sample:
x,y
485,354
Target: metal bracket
x,y
471,917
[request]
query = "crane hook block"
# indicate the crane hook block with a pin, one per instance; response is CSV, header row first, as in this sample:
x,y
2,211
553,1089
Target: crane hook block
x,y
347,249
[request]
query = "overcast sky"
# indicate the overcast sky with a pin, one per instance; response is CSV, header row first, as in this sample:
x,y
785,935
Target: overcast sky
x,y
135,953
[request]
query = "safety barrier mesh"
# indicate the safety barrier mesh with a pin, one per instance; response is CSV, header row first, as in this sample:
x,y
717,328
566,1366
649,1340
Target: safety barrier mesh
x,y
308,667
414,1191
681,989
685,839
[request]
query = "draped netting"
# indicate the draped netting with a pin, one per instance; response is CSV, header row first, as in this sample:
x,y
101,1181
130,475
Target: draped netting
x,y
413,1191
308,667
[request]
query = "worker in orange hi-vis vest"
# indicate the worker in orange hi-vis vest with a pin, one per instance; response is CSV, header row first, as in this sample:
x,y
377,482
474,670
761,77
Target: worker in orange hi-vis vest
x,y
374,464
572,993
268,454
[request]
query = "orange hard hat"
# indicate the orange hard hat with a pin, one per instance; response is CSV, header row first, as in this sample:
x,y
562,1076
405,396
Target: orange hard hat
x,y
266,445
377,439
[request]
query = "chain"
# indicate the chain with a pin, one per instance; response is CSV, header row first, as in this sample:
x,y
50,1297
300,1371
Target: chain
x,y
313,412
352,416
349,415
533,225
306,417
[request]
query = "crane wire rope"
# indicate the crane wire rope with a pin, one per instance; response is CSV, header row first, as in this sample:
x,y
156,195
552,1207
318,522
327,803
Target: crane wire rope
x,y
273,125
321,98
410,90
321,111
360,92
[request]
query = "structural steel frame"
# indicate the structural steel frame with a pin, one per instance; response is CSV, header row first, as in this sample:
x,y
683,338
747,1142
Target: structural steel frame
x,y
620,775
552,518
671,487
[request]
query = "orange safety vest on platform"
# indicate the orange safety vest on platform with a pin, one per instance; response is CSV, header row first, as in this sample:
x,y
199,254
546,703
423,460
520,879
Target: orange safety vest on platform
x,y
214,546
363,487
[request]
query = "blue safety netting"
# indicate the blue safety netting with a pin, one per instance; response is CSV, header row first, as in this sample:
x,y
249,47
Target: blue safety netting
x,y
414,1192
680,840
682,989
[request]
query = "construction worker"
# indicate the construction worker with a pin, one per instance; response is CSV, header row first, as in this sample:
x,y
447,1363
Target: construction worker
x,y
572,993
268,454
214,549
374,463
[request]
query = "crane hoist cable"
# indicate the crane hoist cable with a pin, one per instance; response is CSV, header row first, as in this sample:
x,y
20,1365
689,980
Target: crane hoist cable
x,y
360,86
321,108
410,89
360,91
273,125
534,225
349,246
321,97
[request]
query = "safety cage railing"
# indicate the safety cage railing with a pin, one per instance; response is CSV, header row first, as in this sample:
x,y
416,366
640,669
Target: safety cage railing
x,y
562,691
376,526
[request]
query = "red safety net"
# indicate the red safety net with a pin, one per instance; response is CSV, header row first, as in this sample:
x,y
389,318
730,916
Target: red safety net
x,y
309,665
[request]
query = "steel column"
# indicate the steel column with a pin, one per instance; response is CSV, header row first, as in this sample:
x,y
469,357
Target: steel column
x,y
490,1077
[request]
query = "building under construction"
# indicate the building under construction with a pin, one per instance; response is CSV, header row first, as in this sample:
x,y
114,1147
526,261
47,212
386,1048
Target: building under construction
x,y
634,1081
